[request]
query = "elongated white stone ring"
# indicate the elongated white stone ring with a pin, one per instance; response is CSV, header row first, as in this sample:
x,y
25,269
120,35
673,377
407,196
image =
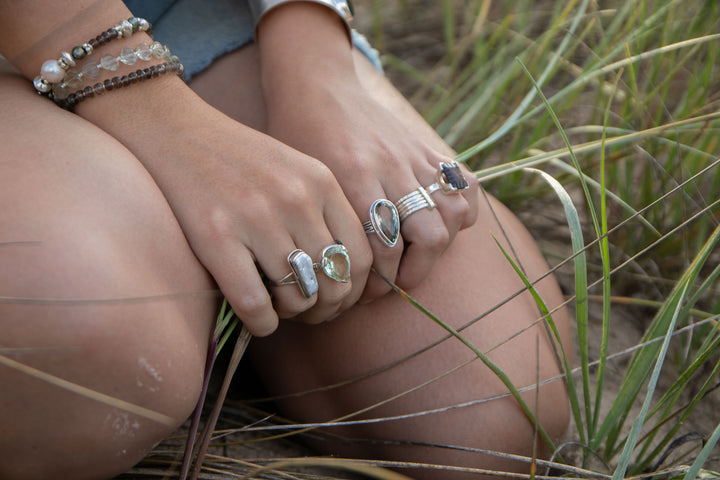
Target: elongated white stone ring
x,y
335,263
384,222
302,273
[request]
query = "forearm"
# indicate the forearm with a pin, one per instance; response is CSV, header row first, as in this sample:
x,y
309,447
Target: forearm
x,y
32,32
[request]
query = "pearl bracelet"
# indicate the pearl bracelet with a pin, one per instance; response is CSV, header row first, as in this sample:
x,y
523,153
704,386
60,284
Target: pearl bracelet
x,y
91,70
53,71
109,84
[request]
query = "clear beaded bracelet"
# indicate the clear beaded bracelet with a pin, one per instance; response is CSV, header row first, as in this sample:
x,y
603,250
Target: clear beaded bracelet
x,y
91,70
109,84
53,71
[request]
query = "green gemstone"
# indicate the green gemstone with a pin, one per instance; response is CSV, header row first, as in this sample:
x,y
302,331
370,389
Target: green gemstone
x,y
386,221
335,263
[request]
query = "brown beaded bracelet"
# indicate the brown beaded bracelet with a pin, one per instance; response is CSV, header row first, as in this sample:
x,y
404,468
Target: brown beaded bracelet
x,y
120,82
53,71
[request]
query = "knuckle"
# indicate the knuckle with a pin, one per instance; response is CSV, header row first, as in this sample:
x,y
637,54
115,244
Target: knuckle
x,y
251,305
220,225
436,239
459,208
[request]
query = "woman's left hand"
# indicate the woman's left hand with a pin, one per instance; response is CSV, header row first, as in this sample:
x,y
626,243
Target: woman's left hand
x,y
317,104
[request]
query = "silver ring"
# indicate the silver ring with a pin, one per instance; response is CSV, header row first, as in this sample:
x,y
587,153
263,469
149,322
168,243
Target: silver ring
x,y
384,222
302,273
449,179
414,201
335,263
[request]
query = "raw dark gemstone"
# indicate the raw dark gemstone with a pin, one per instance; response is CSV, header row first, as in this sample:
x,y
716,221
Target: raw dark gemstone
x,y
453,176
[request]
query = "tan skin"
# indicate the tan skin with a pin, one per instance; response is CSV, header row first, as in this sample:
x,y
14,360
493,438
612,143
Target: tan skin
x,y
169,202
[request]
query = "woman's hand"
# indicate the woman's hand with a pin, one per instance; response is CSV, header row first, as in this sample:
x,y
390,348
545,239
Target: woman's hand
x,y
316,104
243,200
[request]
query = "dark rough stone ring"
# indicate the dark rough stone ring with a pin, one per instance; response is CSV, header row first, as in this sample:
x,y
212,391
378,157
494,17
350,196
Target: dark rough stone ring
x,y
449,179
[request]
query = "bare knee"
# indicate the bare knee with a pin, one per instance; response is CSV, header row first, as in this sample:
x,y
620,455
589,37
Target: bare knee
x,y
88,391
105,312
91,384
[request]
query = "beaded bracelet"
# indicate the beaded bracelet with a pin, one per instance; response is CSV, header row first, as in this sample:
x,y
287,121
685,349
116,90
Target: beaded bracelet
x,y
120,82
91,70
53,71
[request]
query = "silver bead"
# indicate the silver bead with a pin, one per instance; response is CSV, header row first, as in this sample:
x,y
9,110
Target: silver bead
x,y
41,85
88,48
144,25
69,60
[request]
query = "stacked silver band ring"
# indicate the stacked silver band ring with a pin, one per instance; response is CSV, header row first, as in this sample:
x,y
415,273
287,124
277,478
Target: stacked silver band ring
x,y
414,201
384,222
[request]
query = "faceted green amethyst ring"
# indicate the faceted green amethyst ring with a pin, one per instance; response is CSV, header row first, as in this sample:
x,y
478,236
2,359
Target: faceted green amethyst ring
x,y
335,263
449,179
384,222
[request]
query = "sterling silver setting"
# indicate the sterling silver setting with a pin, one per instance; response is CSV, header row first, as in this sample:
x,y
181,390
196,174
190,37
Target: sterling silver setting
x,y
334,263
302,273
384,222
449,179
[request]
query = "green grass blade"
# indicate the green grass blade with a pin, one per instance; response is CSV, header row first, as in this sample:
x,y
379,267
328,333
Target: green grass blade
x,y
581,303
631,442
694,470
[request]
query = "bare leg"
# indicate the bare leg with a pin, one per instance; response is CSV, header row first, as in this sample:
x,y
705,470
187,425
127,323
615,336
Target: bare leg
x,y
470,279
82,220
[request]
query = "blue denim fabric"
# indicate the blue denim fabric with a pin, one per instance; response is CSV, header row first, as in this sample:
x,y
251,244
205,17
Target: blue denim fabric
x,y
199,31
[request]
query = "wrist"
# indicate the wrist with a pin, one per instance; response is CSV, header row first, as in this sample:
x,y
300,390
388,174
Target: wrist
x,y
146,117
342,8
302,32
300,43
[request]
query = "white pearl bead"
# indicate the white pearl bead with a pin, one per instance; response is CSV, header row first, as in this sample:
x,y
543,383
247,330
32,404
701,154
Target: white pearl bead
x,y
51,71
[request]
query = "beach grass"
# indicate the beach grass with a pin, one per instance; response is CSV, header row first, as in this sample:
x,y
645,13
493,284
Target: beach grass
x,y
598,124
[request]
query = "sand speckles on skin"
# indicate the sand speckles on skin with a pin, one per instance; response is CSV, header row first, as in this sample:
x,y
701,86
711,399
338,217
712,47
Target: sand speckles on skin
x,y
149,371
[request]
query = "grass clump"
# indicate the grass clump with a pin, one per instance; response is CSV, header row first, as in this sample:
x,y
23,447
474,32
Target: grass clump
x,y
598,120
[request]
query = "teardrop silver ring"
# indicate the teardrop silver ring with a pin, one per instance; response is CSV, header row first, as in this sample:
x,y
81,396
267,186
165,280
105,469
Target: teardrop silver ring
x,y
384,222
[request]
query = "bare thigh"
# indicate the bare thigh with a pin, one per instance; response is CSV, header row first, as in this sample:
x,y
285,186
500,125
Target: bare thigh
x,y
101,298
417,368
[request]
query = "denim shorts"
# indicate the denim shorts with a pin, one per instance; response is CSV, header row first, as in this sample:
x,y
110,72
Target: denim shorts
x,y
199,31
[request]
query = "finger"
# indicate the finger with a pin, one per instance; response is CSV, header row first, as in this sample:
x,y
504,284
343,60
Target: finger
x,y
382,227
426,238
288,269
347,229
456,196
472,196
240,282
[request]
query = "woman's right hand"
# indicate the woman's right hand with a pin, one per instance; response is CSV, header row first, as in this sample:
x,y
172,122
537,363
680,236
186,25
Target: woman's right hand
x,y
243,200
